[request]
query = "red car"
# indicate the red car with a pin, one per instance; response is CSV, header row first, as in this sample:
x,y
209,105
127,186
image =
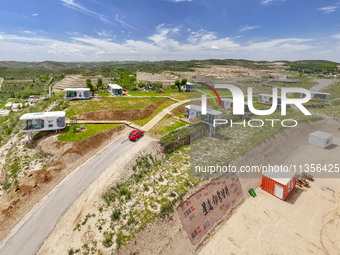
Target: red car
x,y
136,134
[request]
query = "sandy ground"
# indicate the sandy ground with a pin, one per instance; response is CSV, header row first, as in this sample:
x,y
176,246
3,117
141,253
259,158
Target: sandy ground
x,y
91,200
308,222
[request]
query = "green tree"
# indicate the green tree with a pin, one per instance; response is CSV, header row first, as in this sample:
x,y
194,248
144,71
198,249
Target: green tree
x,y
184,81
178,85
90,85
100,83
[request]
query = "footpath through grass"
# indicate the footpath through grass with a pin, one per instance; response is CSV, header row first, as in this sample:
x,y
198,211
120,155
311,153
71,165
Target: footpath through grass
x,y
90,129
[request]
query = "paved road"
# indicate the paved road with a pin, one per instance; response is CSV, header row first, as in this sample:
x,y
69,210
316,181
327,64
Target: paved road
x,y
323,83
30,236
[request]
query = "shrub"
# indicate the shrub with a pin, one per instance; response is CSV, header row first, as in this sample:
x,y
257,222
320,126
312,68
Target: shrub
x,y
115,214
166,209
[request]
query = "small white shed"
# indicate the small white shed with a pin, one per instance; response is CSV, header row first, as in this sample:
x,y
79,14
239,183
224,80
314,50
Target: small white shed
x,y
43,121
193,111
115,89
77,93
320,139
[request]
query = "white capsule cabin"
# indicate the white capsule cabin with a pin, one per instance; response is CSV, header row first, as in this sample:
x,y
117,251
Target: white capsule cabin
x,y
189,87
43,121
317,96
77,93
268,99
193,111
228,104
115,89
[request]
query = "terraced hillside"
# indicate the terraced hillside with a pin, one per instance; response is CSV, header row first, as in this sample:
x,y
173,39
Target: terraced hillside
x,y
75,81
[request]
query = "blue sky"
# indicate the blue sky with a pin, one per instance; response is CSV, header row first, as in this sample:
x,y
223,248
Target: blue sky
x,y
105,30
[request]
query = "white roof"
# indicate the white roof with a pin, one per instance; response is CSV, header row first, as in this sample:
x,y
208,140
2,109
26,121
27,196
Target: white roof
x,y
190,84
115,86
227,99
77,89
194,107
40,115
213,112
276,176
9,104
321,134
320,93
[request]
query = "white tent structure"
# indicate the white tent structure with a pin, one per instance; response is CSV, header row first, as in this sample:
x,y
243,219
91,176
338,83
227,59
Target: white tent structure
x,y
43,121
115,89
77,93
320,139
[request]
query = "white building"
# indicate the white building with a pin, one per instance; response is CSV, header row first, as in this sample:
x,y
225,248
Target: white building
x,y
228,104
193,111
317,96
266,98
43,121
115,89
320,139
189,87
77,93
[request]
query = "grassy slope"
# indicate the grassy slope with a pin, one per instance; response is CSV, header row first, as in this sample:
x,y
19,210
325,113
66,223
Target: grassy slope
x,y
91,129
110,103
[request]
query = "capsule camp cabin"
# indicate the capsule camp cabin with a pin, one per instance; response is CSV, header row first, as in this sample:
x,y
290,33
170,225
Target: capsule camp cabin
x,y
115,89
77,93
278,184
43,121
228,105
193,111
268,99
317,96
189,87
211,116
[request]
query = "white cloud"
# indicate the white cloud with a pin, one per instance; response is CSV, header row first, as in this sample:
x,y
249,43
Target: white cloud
x,y
179,1
265,2
336,36
82,9
35,14
328,9
201,35
247,28
167,43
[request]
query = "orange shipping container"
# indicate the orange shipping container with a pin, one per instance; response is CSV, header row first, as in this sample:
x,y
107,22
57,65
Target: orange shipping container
x,y
280,187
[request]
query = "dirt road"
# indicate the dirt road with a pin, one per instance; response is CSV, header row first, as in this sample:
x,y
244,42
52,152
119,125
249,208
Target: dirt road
x,y
32,233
